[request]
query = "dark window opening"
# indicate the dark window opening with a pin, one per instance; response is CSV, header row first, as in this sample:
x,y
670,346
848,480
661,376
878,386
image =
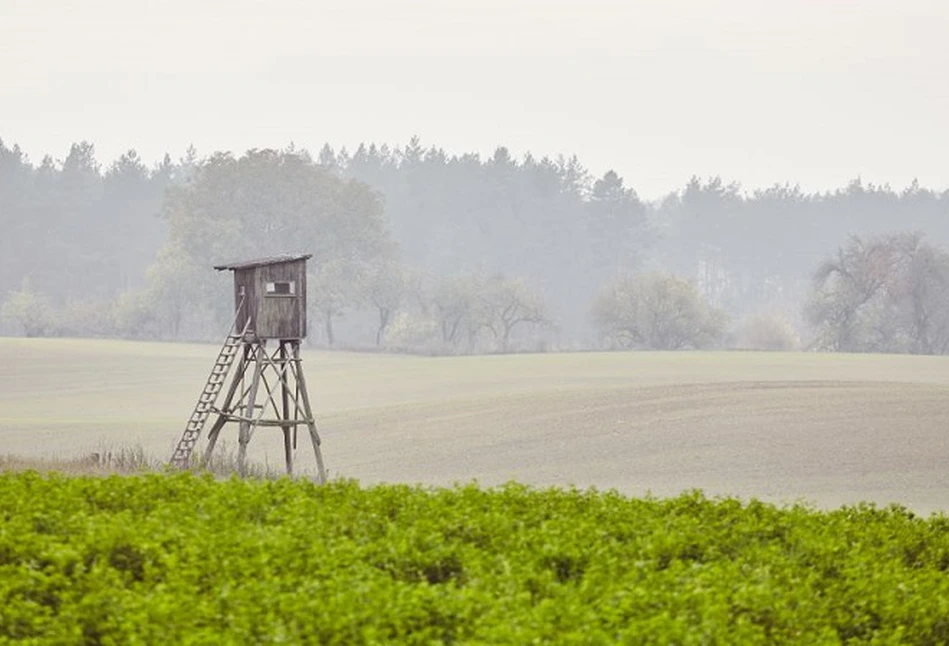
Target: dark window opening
x,y
284,288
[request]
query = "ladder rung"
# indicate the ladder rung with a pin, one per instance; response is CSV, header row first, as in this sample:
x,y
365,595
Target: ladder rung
x,y
208,396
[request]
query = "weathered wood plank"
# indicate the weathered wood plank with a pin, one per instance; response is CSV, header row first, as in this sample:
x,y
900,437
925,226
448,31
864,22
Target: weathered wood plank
x,y
285,396
247,427
308,411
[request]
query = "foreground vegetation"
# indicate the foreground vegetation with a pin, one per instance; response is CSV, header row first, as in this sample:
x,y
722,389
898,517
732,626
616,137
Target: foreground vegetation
x,y
185,559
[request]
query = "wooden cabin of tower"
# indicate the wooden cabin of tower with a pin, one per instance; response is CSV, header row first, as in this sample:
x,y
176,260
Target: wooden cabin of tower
x,y
271,294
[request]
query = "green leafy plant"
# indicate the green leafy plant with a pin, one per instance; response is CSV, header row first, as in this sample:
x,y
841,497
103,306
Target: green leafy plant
x,y
190,559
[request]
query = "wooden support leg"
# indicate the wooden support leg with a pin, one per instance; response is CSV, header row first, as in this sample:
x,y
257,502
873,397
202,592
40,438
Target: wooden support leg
x,y
247,428
285,395
308,411
225,409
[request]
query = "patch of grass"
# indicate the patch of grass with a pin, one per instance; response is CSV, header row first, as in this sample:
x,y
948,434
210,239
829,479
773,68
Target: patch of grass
x,y
131,460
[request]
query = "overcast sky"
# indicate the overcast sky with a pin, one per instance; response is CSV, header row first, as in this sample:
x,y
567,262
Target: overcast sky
x,y
813,92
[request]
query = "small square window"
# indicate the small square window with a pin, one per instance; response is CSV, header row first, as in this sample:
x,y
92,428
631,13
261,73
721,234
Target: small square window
x,y
285,288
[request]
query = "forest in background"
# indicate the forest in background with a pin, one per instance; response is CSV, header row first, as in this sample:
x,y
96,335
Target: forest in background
x,y
418,249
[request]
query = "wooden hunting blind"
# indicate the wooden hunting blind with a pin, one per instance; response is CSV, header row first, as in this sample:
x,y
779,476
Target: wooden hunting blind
x,y
270,305
274,295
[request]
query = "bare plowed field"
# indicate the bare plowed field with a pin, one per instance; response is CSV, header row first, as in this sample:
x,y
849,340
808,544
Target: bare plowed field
x,y
830,429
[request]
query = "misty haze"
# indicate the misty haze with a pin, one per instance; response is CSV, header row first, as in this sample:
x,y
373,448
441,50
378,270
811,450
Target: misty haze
x,y
649,247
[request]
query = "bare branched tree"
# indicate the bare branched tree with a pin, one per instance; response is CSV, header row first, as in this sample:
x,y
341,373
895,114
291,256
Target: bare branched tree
x,y
887,294
383,288
453,303
507,303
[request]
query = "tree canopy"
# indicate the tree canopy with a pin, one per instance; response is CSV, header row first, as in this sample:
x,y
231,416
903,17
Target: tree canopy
x,y
268,202
401,234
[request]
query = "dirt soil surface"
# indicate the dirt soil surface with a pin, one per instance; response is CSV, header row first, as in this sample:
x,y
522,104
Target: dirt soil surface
x,y
827,429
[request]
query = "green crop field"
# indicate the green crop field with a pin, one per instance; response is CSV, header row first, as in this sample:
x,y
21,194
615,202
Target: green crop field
x,y
830,429
184,560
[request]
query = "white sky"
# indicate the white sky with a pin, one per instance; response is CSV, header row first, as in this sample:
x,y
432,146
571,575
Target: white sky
x,y
806,91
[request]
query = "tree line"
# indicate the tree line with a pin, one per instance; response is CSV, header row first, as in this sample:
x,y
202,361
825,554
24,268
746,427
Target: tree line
x,y
416,249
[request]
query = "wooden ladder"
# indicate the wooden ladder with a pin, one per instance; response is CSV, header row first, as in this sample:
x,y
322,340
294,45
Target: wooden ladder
x,y
207,399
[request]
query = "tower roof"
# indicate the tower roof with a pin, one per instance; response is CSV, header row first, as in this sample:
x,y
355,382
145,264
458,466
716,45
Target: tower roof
x,y
260,262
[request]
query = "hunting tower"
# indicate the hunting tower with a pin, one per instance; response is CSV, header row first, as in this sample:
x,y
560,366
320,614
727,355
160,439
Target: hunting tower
x,y
270,306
